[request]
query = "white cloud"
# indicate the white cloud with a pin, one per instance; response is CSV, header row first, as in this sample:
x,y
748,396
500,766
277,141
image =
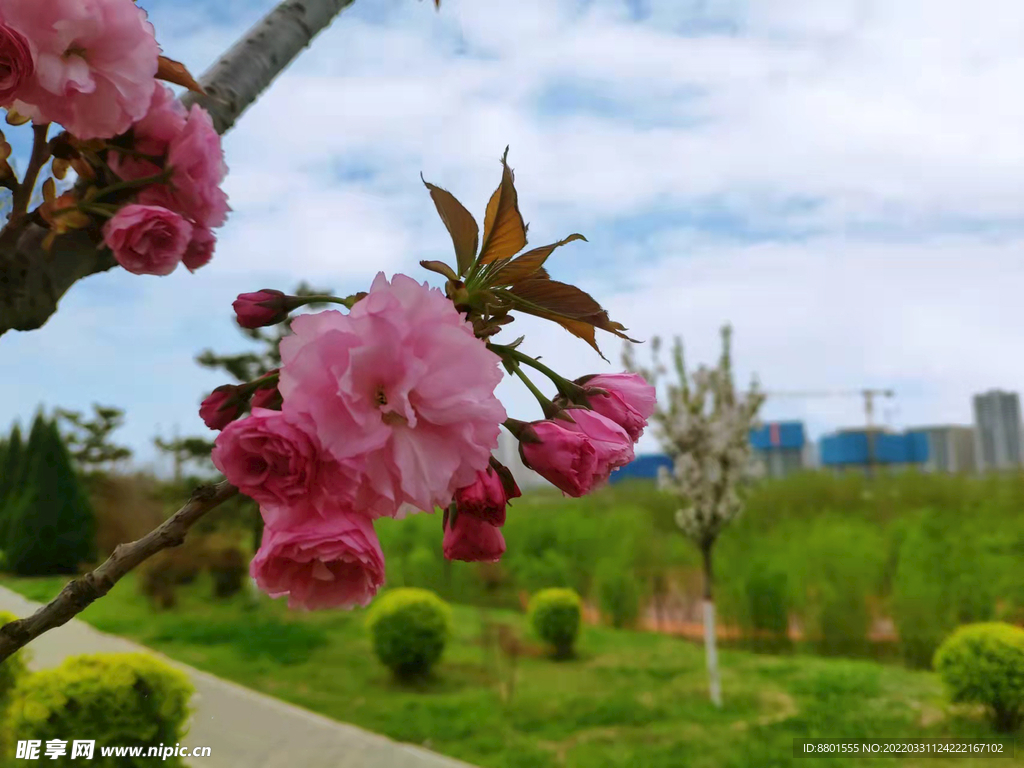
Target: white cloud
x,y
873,148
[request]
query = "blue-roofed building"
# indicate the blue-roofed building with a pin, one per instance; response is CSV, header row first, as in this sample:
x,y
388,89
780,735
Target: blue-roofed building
x,y
781,446
643,467
851,449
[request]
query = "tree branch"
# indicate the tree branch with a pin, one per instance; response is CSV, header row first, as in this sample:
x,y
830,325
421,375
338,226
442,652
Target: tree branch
x,y
32,281
252,64
79,593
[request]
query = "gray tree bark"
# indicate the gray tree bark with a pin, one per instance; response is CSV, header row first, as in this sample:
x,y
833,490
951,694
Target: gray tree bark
x,y
32,281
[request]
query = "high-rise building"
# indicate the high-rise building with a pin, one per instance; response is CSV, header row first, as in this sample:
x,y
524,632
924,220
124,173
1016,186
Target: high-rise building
x,y
950,449
997,430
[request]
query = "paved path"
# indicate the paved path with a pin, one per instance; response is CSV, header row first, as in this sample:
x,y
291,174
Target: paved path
x,y
241,727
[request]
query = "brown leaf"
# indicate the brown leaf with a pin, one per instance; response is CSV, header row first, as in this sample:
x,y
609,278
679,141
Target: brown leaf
x,y
175,72
441,268
460,224
560,298
528,264
570,307
504,230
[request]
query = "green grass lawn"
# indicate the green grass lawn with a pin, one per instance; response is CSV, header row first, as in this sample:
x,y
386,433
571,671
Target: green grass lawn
x,y
630,699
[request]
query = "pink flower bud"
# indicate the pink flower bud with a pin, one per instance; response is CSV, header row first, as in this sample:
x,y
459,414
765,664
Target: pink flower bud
x,y
261,308
267,397
627,399
485,498
563,457
612,445
222,406
473,541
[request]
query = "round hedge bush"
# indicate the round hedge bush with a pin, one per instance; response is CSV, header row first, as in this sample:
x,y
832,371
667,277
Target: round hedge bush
x,y
410,627
556,615
12,671
129,699
984,664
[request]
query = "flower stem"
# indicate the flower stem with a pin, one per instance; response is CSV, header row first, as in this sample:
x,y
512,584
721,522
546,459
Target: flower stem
x,y
565,387
348,302
145,181
546,405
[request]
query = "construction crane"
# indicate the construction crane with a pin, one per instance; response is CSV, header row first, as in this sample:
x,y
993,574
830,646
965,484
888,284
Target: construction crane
x,y
869,396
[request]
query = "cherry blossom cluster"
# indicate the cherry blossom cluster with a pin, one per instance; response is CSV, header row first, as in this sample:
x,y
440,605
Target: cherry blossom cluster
x,y
386,410
149,172
386,406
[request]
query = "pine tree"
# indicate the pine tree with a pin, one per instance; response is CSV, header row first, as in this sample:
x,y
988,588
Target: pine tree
x,y
52,529
11,462
10,473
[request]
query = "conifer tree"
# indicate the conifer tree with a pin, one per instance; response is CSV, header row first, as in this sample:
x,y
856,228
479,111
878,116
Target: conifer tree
x,y
10,478
10,463
52,528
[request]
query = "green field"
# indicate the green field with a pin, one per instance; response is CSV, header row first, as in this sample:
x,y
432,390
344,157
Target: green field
x,y
630,699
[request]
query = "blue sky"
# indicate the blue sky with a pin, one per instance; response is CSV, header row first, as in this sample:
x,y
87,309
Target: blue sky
x,y
839,180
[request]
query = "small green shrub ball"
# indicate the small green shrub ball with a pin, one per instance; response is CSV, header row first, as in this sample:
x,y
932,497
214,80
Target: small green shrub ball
x,y
410,628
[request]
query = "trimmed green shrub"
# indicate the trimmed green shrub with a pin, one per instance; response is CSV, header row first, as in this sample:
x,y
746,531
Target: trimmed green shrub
x,y
556,615
12,671
619,593
410,628
984,664
53,530
129,699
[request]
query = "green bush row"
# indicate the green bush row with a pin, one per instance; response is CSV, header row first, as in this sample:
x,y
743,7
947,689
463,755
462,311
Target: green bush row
x,y
832,552
409,627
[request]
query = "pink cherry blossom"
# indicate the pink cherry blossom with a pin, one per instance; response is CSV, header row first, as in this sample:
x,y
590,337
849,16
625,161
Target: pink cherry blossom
x,y
630,400
400,385
565,458
16,63
278,463
95,61
335,562
472,540
151,136
147,239
196,156
200,249
612,445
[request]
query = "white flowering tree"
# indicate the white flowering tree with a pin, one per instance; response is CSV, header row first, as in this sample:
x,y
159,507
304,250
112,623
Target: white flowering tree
x,y
704,427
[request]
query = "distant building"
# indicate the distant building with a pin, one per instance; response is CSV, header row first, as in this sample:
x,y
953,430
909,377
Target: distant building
x,y
781,447
858,448
643,467
508,454
997,430
950,448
